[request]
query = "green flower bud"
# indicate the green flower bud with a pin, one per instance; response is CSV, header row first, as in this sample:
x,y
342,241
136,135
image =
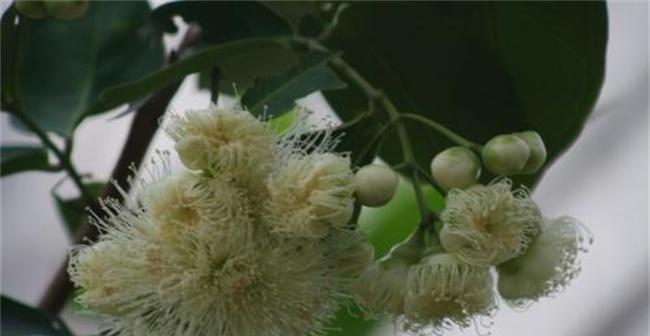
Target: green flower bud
x,y
505,155
67,9
31,9
375,185
537,151
455,167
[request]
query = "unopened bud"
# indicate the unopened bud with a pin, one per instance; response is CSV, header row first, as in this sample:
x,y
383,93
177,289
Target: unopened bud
x,y
375,185
537,151
505,155
455,167
67,9
31,9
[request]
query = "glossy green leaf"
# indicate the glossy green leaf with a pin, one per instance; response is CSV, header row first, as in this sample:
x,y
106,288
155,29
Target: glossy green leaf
x,y
480,68
73,210
277,95
21,320
16,159
230,58
63,65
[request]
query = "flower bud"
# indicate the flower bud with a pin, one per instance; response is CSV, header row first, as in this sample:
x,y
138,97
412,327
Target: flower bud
x,y
505,155
537,151
375,185
455,167
31,9
67,9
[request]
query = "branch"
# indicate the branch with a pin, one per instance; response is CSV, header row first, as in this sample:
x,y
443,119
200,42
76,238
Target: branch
x,y
143,128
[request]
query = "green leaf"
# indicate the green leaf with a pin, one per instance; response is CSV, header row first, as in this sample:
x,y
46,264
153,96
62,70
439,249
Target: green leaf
x,y
73,210
230,58
479,68
63,65
21,320
223,21
278,94
16,159
294,12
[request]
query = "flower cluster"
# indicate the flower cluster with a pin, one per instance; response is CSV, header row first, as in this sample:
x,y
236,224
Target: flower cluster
x,y
251,239
429,284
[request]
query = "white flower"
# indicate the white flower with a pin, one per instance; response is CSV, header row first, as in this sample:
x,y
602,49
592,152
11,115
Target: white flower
x,y
310,194
548,265
222,140
441,289
188,202
489,224
381,287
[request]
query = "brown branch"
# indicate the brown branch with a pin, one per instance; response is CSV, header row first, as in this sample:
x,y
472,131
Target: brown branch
x,y
143,128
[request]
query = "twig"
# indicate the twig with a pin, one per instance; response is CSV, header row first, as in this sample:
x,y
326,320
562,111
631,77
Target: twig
x,y
143,128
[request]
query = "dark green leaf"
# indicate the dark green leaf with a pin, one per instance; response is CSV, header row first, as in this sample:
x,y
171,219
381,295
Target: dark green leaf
x,y
480,68
223,21
236,61
73,210
293,12
278,94
65,64
21,320
16,159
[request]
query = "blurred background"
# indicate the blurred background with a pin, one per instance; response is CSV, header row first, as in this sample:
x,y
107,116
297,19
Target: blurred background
x,y
601,180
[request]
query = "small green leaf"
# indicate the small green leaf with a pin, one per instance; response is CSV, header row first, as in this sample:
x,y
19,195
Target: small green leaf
x,y
61,66
16,159
278,94
231,58
21,320
72,210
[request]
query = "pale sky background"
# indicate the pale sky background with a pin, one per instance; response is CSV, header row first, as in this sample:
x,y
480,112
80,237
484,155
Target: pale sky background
x,y
602,180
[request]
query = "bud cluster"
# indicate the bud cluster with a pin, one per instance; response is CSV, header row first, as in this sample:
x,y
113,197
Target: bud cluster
x,y
503,155
250,239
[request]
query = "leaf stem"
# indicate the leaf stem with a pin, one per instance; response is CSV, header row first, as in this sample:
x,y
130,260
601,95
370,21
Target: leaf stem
x,y
451,135
394,115
63,157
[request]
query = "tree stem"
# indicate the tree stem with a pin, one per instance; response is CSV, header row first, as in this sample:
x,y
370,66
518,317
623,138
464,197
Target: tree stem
x,y
143,128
